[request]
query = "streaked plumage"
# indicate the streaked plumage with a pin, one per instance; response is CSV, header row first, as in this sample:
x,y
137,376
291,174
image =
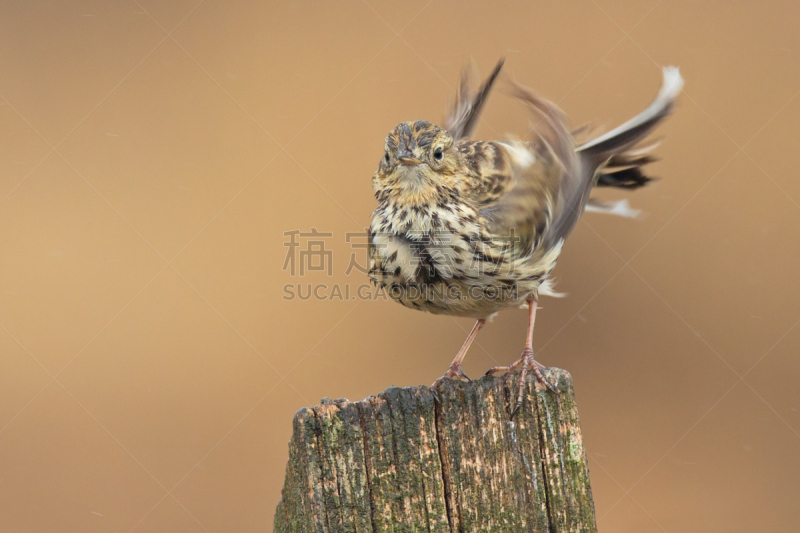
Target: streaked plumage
x,y
468,228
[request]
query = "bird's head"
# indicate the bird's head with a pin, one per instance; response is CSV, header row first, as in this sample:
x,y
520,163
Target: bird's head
x,y
419,162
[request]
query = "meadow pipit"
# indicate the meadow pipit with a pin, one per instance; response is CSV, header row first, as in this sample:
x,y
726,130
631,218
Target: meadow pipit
x,y
468,228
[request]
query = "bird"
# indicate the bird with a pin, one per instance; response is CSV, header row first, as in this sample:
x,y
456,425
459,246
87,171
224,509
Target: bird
x,y
468,228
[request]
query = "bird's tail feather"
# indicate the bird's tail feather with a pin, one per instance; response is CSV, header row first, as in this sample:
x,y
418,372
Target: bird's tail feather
x,y
619,142
616,152
624,170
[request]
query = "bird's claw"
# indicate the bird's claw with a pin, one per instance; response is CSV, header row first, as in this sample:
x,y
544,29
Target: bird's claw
x,y
435,395
528,363
454,372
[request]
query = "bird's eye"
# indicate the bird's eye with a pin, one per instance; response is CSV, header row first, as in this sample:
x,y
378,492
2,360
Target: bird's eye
x,y
437,154
386,157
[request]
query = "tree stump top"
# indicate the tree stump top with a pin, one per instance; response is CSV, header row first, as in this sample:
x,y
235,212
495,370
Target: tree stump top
x,y
404,461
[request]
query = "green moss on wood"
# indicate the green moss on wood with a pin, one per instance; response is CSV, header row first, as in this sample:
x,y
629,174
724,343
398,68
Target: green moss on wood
x,y
401,462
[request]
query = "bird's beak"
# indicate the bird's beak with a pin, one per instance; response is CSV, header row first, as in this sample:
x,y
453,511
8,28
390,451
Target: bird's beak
x,y
407,158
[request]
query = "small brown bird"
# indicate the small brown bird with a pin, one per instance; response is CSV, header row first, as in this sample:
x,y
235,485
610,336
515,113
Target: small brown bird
x,y
468,228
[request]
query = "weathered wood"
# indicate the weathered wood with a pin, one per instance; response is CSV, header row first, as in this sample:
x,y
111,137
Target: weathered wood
x,y
403,462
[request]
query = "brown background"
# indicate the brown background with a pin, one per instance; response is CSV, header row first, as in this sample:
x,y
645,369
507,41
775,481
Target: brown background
x,y
152,154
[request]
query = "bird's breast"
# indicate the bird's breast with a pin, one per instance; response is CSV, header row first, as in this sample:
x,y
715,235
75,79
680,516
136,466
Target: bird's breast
x,y
432,244
419,246
444,261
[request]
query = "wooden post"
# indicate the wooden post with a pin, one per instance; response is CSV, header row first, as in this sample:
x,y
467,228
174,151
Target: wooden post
x,y
403,462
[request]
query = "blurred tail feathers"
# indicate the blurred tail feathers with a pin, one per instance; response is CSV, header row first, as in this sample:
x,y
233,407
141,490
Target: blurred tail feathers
x,y
613,159
617,141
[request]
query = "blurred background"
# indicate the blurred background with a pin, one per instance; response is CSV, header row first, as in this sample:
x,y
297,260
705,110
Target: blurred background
x,y
156,159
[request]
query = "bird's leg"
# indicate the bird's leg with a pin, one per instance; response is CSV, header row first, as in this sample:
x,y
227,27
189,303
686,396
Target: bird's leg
x,y
455,370
526,361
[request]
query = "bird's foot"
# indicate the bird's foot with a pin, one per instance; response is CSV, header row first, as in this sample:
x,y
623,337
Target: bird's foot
x,y
528,363
455,372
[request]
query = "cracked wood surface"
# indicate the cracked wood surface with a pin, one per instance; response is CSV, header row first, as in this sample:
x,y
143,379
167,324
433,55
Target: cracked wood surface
x,y
402,462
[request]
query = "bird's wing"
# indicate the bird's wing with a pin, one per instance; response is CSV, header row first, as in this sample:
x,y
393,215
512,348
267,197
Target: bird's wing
x,y
546,186
465,110
522,189
569,179
512,187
